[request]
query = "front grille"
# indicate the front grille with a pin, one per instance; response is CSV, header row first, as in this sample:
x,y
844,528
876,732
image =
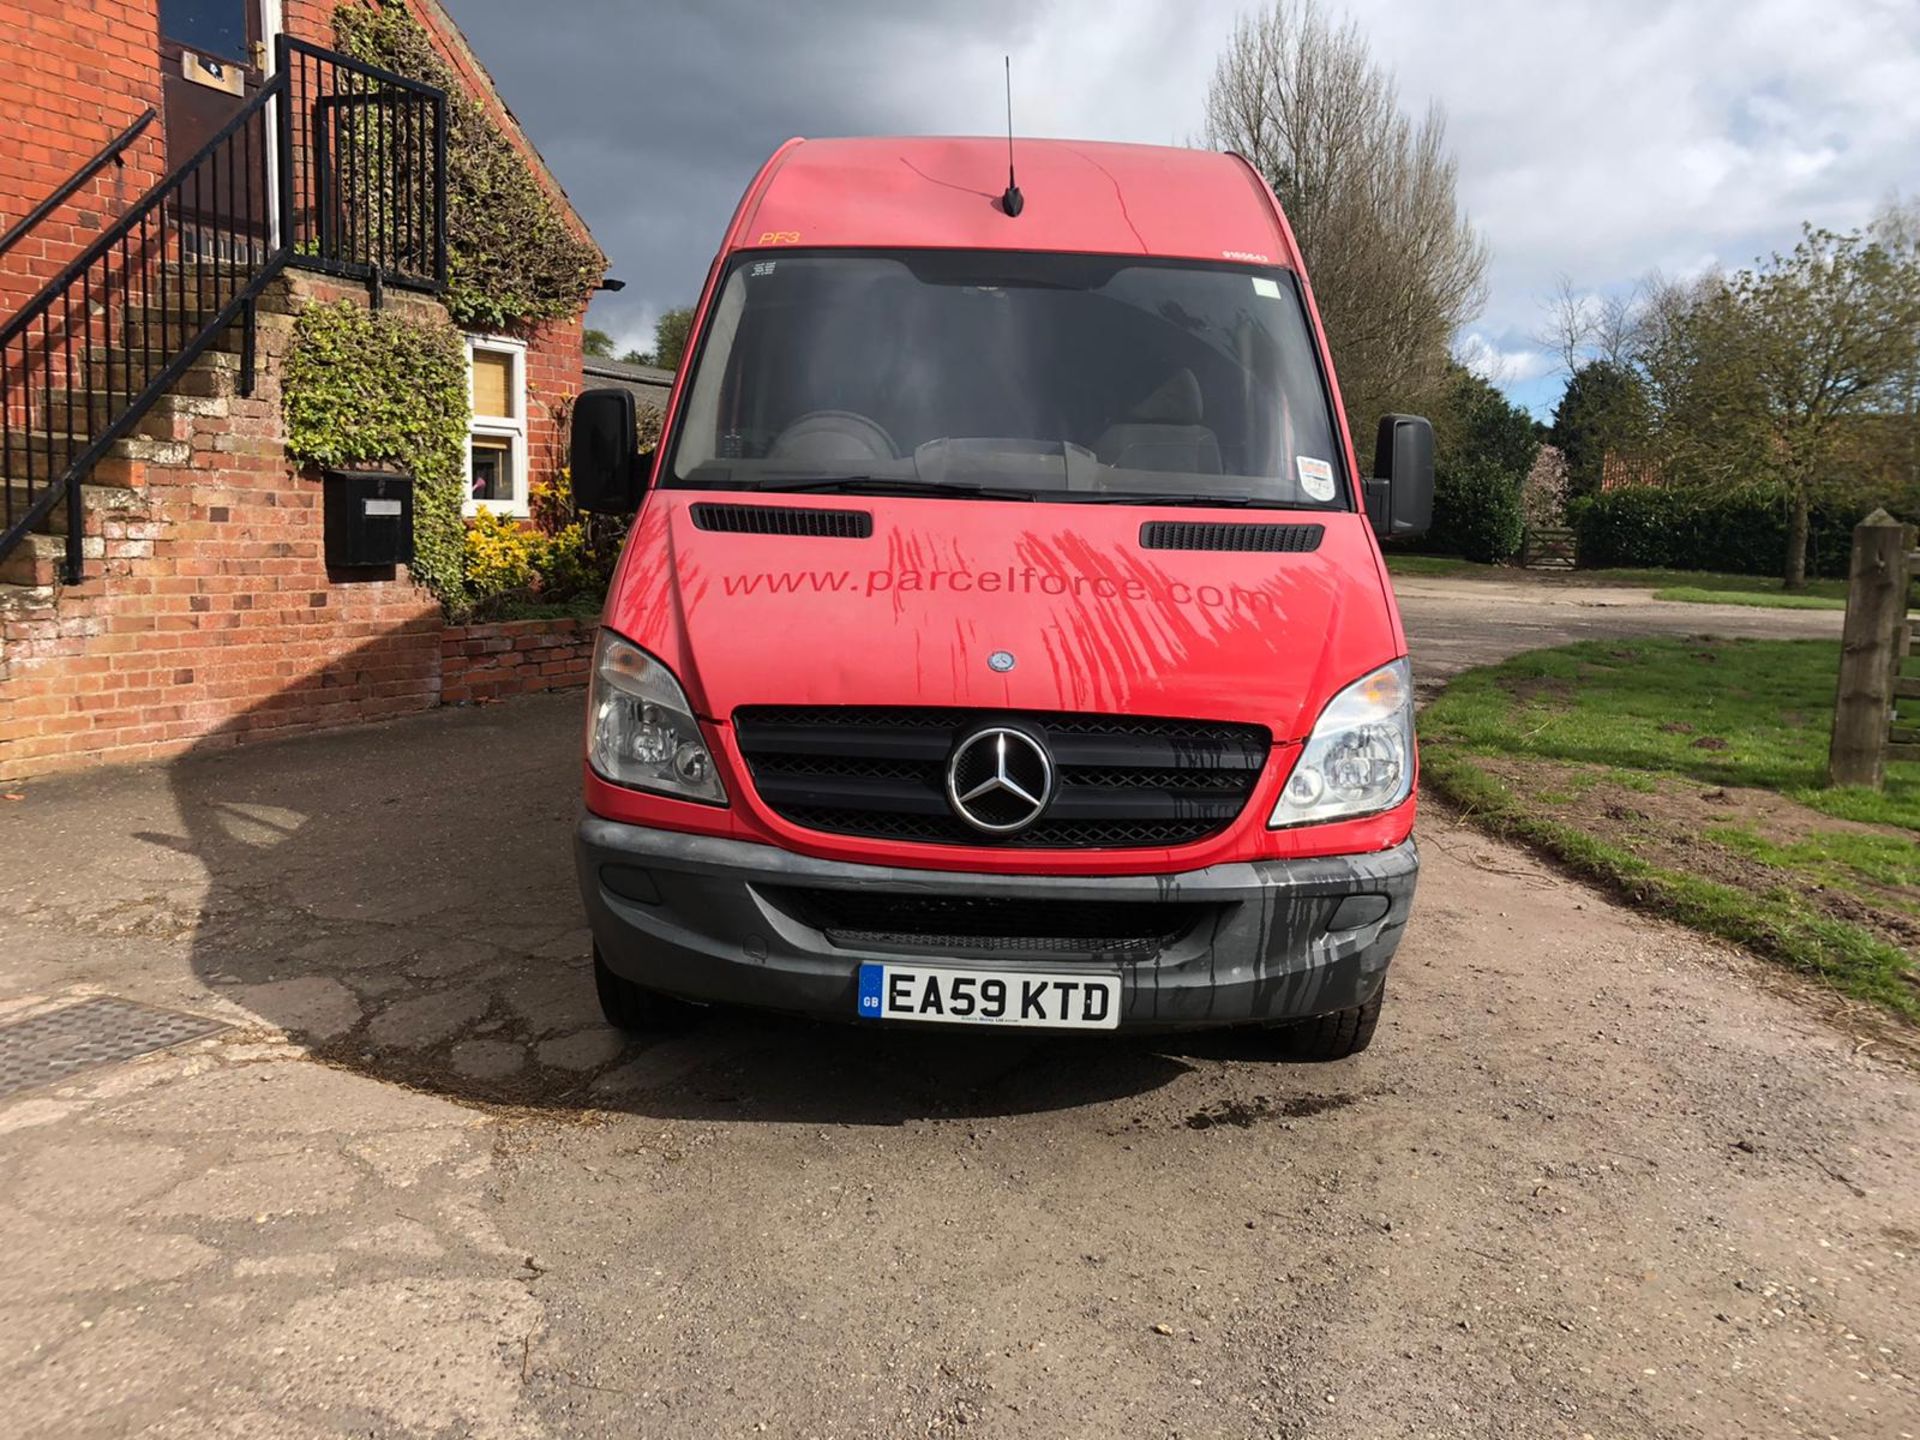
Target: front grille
x,y
872,919
1121,781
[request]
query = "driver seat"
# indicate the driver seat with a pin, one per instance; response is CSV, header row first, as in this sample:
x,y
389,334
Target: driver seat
x,y
1163,432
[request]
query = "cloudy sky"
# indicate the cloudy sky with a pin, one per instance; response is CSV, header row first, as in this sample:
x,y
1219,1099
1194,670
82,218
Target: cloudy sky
x,y
1601,139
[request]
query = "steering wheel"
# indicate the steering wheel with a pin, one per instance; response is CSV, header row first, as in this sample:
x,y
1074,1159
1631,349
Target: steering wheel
x,y
833,437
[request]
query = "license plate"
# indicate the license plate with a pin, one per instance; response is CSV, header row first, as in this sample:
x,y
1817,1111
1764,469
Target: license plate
x,y
989,997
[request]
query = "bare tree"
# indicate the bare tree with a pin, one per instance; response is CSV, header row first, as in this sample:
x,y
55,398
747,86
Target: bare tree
x,y
1569,323
1396,267
1581,326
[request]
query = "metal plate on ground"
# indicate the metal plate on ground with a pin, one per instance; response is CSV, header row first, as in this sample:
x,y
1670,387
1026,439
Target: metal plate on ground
x,y
45,1048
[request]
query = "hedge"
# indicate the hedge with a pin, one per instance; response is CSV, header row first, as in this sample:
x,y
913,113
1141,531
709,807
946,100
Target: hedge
x,y
1476,512
1739,533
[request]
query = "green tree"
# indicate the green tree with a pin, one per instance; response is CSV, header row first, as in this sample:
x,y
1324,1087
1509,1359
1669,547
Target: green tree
x,y
1474,421
1831,328
670,333
1603,408
1780,367
1484,445
598,343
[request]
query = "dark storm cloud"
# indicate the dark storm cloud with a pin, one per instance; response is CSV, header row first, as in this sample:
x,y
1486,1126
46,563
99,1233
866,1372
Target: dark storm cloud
x,y
656,116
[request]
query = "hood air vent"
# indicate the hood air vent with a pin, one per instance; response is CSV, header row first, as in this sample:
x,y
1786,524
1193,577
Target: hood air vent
x,y
1191,535
784,520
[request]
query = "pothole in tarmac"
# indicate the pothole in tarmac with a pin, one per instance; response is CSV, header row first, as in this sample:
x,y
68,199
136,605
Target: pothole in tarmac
x,y
1244,1114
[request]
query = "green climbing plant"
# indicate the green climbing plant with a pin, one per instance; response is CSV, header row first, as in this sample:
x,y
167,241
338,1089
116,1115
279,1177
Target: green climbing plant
x,y
511,255
378,386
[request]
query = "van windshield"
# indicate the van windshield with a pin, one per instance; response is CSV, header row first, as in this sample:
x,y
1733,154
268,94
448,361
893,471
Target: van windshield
x,y
1027,376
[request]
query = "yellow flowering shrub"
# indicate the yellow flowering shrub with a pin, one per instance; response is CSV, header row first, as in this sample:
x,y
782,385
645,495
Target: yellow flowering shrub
x,y
502,556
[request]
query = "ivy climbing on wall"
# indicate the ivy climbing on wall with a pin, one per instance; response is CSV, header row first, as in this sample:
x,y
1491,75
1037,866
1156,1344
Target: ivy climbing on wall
x,y
381,387
511,255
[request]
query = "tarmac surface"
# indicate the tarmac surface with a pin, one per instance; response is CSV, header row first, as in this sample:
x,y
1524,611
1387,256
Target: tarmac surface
x,y
1596,1177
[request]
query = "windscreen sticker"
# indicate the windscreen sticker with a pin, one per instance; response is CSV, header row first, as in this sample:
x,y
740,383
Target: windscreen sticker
x,y
764,267
1316,477
1269,288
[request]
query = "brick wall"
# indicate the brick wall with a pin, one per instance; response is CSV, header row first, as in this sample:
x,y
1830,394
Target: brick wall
x,y
555,352
209,616
74,76
479,663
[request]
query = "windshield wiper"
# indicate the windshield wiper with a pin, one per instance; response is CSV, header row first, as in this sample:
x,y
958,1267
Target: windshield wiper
x,y
1141,497
884,485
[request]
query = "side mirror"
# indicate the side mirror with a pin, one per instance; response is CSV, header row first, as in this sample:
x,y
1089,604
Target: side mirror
x,y
606,471
1400,494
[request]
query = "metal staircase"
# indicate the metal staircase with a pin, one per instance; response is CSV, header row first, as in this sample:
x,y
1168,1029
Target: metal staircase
x,y
333,165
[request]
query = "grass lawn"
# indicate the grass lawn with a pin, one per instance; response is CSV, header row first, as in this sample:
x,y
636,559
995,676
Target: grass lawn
x,y
1698,587
1772,599
1687,775
1427,565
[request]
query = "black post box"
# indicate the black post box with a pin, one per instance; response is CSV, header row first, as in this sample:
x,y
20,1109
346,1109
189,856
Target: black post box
x,y
369,518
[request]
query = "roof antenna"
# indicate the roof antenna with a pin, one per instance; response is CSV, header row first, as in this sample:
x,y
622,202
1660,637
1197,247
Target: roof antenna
x,y
1012,202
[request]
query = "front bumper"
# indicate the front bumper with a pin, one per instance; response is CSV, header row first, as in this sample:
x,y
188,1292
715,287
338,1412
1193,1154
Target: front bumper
x,y
708,919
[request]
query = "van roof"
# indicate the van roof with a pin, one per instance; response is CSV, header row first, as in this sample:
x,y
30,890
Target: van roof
x,y
1081,196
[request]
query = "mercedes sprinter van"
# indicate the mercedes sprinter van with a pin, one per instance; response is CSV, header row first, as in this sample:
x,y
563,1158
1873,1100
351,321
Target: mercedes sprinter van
x,y
1002,636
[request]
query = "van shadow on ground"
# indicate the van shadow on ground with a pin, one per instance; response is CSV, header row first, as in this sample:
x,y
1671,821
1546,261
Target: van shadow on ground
x,y
401,899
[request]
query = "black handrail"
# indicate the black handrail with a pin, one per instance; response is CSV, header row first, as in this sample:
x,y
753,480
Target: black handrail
x,y
110,151
86,358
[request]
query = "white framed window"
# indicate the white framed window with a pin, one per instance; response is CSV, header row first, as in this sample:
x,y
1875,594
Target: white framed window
x,y
497,434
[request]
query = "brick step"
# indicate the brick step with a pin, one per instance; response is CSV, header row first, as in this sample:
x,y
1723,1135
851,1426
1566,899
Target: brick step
x,y
91,411
148,363
39,458
168,330
35,561
96,409
24,600
93,499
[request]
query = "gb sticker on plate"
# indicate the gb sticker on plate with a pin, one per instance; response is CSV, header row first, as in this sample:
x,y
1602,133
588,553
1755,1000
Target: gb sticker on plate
x,y
1316,477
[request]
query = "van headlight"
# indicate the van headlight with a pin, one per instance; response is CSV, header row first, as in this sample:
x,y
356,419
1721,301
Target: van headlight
x,y
1359,759
640,730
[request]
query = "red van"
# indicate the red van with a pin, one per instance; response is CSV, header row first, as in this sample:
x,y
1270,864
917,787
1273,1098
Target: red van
x,y
1002,637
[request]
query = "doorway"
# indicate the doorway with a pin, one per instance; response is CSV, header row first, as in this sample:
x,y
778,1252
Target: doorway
x,y
213,57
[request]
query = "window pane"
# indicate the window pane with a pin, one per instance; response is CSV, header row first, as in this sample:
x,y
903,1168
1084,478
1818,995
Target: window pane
x,y
493,384
492,468
212,27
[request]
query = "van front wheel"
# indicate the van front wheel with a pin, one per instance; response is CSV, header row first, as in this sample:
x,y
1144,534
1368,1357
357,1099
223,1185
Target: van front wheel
x,y
634,1008
1332,1037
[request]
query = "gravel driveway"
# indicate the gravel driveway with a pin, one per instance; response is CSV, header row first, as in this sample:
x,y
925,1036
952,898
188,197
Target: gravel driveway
x,y
1596,1176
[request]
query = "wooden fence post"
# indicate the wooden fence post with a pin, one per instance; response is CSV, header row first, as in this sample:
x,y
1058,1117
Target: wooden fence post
x,y
1871,647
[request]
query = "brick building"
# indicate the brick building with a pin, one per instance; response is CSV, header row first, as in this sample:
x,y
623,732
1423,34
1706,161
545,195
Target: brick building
x,y
163,566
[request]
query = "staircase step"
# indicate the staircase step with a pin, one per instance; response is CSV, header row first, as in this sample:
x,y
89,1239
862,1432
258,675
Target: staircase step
x,y
169,330
98,408
35,560
93,499
39,458
145,364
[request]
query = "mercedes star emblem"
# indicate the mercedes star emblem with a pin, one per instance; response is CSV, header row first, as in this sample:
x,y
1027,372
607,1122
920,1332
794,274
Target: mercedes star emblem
x,y
1000,660
999,780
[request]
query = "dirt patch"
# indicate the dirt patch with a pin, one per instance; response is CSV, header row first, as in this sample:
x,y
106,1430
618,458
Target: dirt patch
x,y
1245,1114
1670,826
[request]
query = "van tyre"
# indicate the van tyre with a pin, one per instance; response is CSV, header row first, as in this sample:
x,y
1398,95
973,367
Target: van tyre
x,y
1335,1036
635,1008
